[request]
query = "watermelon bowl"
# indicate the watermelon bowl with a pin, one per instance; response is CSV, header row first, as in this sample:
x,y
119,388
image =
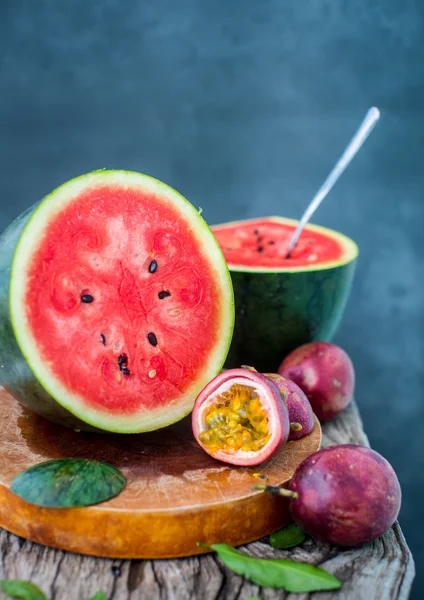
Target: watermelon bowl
x,y
282,303
116,304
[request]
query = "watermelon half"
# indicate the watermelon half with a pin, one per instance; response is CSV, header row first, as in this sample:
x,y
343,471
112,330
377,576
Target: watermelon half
x,y
116,305
282,303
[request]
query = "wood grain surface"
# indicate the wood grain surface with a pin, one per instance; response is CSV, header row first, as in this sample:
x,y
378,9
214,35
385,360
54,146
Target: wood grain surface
x,y
176,495
382,570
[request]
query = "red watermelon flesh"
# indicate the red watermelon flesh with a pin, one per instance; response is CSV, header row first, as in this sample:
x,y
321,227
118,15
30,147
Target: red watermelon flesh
x,y
127,302
265,243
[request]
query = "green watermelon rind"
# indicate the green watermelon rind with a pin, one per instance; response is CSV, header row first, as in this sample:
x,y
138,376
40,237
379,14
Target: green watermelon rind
x,y
28,378
279,309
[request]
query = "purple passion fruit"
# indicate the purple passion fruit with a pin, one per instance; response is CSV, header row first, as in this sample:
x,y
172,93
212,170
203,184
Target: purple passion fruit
x,y
325,374
300,411
345,495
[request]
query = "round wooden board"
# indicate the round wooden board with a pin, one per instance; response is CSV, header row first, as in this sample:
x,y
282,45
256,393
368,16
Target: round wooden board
x,y
176,495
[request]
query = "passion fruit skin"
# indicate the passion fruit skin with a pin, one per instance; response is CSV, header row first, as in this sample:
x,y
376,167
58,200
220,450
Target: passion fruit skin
x,y
326,375
278,417
348,495
298,405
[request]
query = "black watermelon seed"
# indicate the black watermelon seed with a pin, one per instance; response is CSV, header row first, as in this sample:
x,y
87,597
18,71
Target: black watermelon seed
x,y
152,339
87,298
153,266
271,242
260,238
260,248
163,294
122,359
256,232
125,370
102,339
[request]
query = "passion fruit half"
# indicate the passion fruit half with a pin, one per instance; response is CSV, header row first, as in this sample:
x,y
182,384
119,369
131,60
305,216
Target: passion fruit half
x,y
240,418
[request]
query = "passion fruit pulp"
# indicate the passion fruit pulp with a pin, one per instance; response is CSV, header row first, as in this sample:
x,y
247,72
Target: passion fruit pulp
x,y
237,421
240,418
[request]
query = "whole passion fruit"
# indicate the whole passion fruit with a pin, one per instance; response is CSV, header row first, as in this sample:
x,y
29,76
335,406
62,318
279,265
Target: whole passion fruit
x,y
240,418
301,415
325,374
345,495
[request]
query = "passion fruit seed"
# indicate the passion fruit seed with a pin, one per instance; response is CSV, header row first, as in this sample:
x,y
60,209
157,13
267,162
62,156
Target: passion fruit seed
x,y
87,298
152,339
236,421
153,266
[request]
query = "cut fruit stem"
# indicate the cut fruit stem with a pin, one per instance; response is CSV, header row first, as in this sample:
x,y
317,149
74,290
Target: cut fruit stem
x,y
296,427
276,491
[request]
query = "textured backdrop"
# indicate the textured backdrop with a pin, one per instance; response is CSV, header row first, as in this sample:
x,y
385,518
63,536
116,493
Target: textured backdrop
x,y
244,107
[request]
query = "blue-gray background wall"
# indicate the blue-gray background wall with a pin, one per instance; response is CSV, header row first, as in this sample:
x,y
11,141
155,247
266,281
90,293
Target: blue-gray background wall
x,y
244,107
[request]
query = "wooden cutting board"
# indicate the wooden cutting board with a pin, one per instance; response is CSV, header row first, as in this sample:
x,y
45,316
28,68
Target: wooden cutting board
x,y
176,495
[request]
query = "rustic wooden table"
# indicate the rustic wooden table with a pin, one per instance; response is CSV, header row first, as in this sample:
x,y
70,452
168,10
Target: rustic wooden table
x,y
382,570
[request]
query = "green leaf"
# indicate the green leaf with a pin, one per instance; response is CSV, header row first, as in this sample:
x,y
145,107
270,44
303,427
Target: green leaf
x,y
68,482
275,572
98,596
287,537
25,590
